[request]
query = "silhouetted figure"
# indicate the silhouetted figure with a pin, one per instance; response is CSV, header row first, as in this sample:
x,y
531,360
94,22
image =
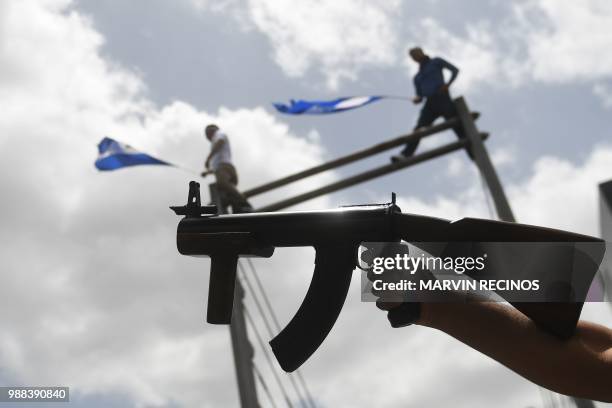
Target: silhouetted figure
x,y
580,366
219,161
430,85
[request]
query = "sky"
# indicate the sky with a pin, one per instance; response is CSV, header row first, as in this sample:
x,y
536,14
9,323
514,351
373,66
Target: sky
x,y
94,293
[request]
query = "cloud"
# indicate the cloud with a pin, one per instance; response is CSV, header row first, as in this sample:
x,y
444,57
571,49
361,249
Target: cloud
x,y
563,195
474,54
557,194
527,41
95,295
335,38
573,43
537,41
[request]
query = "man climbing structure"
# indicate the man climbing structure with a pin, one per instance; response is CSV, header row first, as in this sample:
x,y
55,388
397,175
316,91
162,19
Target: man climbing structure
x,y
430,85
219,162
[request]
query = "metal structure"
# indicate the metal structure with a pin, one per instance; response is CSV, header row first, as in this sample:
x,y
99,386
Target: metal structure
x,y
355,156
605,222
483,161
243,351
241,347
474,139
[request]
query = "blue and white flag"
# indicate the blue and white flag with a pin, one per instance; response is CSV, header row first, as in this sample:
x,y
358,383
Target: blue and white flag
x,y
114,155
298,107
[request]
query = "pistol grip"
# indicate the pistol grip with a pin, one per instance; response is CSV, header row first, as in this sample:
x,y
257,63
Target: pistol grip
x,y
320,308
221,288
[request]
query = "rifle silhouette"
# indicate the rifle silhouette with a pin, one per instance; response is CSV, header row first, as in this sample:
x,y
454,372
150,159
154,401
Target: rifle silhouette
x,y
336,236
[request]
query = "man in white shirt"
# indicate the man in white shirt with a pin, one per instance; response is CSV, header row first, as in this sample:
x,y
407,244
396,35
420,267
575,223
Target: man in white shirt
x,y
219,161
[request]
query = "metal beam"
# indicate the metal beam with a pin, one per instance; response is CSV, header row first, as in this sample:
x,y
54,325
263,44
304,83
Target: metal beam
x,y
483,162
242,349
369,175
358,155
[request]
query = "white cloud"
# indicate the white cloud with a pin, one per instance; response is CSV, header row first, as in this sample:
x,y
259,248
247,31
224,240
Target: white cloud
x,y
574,41
538,41
561,194
335,38
95,295
533,40
469,203
557,194
474,55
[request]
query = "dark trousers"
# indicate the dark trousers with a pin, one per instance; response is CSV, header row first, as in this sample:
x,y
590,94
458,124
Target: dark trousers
x,y
438,105
227,180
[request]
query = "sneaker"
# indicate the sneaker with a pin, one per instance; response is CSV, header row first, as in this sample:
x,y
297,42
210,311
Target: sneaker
x,y
243,209
398,157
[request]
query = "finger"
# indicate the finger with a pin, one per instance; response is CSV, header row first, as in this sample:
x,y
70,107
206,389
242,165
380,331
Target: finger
x,y
387,305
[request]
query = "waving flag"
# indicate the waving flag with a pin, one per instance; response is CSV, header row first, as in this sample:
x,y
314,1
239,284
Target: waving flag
x,y
114,155
298,107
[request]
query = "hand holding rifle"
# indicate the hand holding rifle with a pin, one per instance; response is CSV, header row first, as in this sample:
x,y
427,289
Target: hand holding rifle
x,y
542,341
580,366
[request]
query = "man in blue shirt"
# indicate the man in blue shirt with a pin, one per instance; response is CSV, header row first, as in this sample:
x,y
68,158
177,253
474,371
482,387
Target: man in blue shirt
x,y
430,85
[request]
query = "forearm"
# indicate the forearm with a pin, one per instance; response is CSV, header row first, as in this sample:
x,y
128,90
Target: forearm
x,y
454,72
454,75
580,366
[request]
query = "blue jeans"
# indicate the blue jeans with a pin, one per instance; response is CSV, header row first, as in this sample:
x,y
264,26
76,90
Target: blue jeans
x,y
438,105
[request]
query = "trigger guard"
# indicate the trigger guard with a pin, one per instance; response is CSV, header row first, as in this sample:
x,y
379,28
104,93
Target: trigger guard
x,y
320,308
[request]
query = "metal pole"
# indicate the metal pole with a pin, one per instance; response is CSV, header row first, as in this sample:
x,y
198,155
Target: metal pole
x,y
241,347
358,155
483,161
368,175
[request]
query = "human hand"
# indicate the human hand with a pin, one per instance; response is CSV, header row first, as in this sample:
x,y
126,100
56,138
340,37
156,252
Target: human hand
x,y
444,88
417,99
387,299
402,303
